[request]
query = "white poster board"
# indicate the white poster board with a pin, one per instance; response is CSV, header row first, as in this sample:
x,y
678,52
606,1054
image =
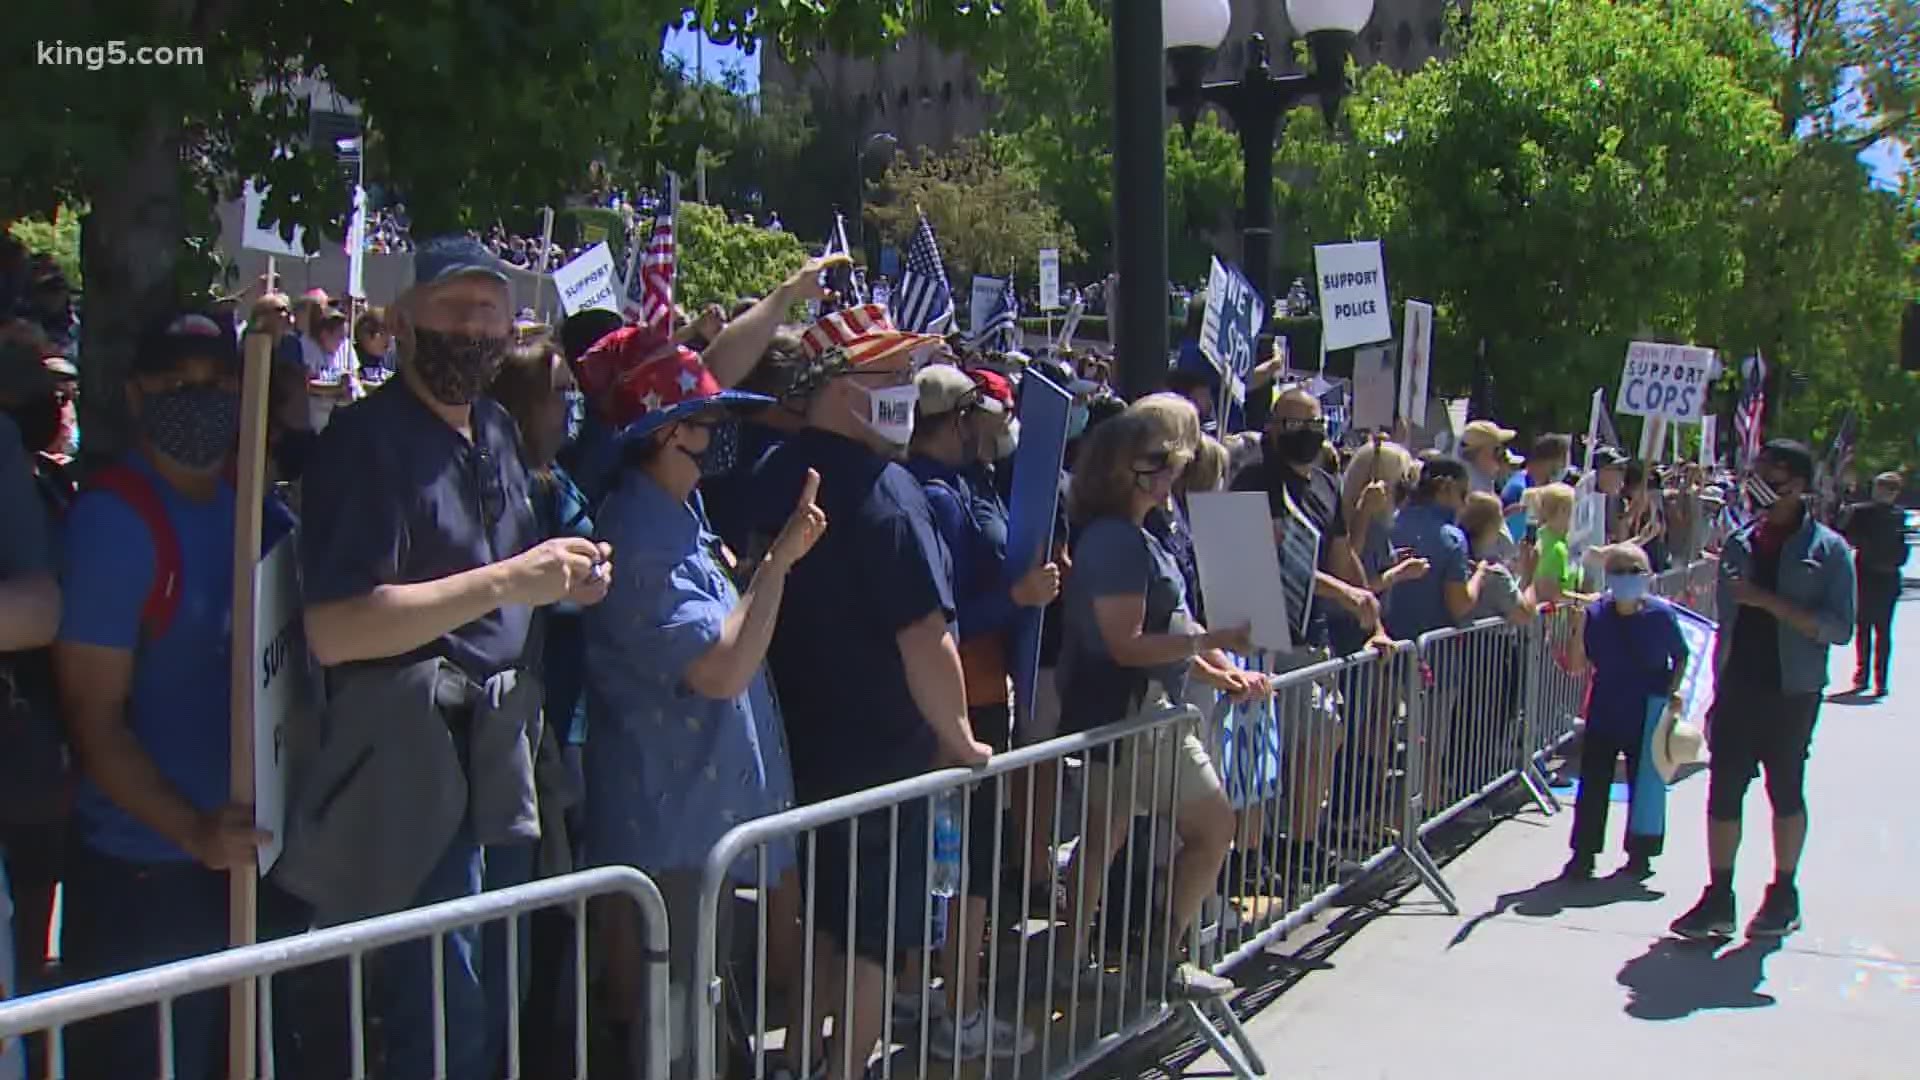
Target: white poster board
x,y
1665,380
1049,279
588,282
987,292
357,246
1653,438
1709,440
1239,566
1373,387
1416,359
1353,294
1589,527
258,235
286,688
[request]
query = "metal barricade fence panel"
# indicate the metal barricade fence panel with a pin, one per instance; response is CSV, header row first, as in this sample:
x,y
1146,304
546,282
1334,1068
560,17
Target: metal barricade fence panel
x,y
157,988
1473,725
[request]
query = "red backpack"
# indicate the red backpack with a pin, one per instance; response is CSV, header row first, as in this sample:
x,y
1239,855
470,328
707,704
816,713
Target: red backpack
x,y
136,490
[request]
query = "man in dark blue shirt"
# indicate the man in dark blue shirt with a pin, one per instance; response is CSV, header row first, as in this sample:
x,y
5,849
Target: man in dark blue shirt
x,y
865,657
419,542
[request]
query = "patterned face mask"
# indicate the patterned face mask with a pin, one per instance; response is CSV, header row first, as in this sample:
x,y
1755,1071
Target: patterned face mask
x,y
456,367
194,425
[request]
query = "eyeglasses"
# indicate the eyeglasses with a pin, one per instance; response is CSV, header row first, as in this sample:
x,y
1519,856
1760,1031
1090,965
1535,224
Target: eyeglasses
x,y
1294,423
1154,464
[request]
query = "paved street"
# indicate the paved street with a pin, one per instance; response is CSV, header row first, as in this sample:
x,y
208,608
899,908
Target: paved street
x,y
1582,982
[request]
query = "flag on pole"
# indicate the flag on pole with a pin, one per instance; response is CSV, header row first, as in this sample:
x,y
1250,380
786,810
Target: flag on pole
x,y
1001,329
925,301
1830,483
1750,413
649,299
848,283
1074,315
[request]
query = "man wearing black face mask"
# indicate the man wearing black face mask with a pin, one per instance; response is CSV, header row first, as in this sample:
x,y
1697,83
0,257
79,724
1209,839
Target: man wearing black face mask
x,y
418,545
1786,595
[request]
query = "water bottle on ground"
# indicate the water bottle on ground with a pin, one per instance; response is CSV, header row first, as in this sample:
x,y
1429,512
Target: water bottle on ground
x,y
946,845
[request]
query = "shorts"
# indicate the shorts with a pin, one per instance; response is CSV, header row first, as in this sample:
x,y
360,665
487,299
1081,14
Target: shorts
x,y
1123,774
1749,728
840,858
992,724
1044,723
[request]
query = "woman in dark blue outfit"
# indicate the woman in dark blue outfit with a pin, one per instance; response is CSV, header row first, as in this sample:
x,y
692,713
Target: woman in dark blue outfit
x,y
1631,642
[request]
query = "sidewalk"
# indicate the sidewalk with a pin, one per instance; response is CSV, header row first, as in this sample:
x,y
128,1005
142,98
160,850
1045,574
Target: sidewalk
x,y
1582,982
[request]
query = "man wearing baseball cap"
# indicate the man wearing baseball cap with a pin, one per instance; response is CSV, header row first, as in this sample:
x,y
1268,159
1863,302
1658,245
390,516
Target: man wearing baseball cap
x,y
143,673
1786,595
1483,446
865,655
419,542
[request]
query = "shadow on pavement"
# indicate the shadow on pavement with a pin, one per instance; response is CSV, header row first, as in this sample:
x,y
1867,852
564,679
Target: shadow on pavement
x,y
1674,979
1553,896
1854,698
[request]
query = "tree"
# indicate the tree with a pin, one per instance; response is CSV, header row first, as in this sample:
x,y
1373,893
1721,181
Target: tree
x,y
1851,70
478,108
721,261
1575,176
988,213
745,138
1056,118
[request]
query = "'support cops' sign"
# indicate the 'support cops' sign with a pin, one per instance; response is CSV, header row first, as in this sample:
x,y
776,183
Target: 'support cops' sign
x,y
1353,294
588,282
1665,380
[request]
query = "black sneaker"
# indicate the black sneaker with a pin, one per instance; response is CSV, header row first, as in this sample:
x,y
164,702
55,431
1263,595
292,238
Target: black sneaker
x,y
1638,867
1711,918
1578,868
1779,913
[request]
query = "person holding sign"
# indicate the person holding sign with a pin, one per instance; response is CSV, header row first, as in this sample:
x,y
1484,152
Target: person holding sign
x,y
1130,646
420,547
142,663
686,741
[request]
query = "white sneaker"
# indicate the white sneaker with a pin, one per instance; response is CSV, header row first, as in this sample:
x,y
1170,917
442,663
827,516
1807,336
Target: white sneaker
x,y
979,1034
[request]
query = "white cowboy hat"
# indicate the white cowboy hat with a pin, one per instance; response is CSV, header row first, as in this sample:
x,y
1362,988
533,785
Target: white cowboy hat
x,y
1676,743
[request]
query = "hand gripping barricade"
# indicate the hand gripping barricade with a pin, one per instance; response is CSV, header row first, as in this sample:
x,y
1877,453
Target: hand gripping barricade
x,y
160,987
1317,778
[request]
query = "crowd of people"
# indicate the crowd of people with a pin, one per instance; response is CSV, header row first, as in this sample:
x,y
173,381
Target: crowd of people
x,y
591,594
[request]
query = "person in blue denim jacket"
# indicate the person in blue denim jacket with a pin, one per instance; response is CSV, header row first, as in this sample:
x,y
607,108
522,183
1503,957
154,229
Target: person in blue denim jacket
x,y
1786,596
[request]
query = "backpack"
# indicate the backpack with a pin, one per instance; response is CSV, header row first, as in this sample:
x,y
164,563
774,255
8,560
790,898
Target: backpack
x,y
1879,539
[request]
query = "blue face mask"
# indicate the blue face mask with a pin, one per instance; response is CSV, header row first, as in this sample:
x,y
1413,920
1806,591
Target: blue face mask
x,y
1629,587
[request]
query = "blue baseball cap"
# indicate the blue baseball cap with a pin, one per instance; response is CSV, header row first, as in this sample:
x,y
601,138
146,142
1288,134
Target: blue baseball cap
x,y
444,258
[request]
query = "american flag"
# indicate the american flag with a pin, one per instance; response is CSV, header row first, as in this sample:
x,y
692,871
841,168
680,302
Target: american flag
x,y
1750,412
1001,330
649,299
924,302
849,283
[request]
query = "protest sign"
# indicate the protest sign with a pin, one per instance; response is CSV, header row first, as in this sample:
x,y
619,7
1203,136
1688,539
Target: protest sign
x,y
357,246
1049,279
1653,437
1709,440
588,282
1697,685
1372,388
1353,294
1665,380
285,688
1035,500
263,235
1299,561
1589,528
1239,566
1416,360
987,292
1231,321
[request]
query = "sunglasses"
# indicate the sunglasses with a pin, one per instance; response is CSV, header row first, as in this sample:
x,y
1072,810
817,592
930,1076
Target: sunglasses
x,y
1154,464
1295,424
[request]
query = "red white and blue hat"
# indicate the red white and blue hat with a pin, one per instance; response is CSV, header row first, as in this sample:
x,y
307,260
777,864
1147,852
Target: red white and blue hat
x,y
638,381
859,335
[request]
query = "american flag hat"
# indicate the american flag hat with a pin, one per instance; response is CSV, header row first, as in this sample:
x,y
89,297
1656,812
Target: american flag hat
x,y
857,336
637,381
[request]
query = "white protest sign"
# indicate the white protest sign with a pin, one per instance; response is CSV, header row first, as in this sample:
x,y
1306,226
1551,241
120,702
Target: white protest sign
x,y
588,283
1416,359
258,235
357,246
1709,440
1353,294
1589,526
1372,388
1299,561
285,688
1653,437
1665,380
1239,566
1049,279
987,292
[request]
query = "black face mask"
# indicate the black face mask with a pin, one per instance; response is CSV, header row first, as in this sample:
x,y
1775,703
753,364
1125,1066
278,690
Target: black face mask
x,y
1300,446
456,367
38,421
194,425
722,452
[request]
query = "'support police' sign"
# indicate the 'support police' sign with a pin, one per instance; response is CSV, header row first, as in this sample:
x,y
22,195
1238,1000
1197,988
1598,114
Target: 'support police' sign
x,y
588,282
1353,294
1665,380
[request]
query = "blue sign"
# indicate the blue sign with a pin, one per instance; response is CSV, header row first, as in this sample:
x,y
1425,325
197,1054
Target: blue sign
x,y
1229,329
1030,517
890,261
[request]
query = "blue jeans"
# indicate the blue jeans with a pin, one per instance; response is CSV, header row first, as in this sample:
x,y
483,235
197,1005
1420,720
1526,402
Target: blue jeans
x,y
507,865
403,989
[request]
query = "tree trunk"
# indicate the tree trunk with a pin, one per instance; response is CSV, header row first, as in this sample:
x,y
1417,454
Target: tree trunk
x,y
129,245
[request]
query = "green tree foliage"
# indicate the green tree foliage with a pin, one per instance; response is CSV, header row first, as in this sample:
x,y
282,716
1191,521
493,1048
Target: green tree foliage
x,y
59,236
721,261
1851,70
988,212
1056,116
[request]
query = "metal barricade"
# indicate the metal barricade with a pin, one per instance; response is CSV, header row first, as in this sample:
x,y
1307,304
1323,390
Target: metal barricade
x,y
1556,697
1473,724
160,987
